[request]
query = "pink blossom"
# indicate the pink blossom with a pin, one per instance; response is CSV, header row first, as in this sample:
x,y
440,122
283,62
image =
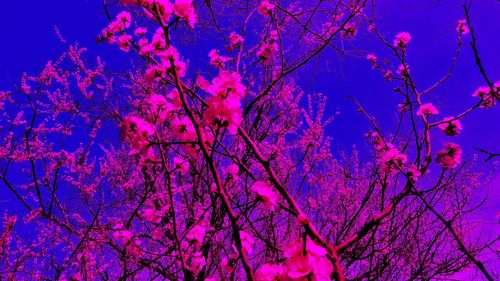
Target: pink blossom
x,y
372,58
151,215
450,156
181,164
462,27
225,112
350,30
392,155
265,192
184,9
216,59
266,8
124,42
299,267
387,75
125,18
269,272
202,83
124,236
403,70
197,262
183,129
450,127
402,40
138,131
197,233
413,172
140,31
169,56
130,2
235,40
227,84
159,109
487,96
247,241
267,51
163,8
233,170
313,262
427,109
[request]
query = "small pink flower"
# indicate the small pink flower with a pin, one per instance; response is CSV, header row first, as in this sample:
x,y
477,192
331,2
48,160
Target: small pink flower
x,y
151,215
233,170
235,40
140,31
124,42
123,235
265,192
197,234
387,75
462,27
372,58
184,9
247,241
413,172
427,109
130,2
488,97
451,127
299,267
402,40
403,70
125,18
216,59
350,30
392,155
202,83
269,272
267,51
266,8
450,156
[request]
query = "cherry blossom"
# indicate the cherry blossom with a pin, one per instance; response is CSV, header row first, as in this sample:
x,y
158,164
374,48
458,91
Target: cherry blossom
x,y
266,8
450,156
462,27
402,40
185,9
450,126
265,192
427,109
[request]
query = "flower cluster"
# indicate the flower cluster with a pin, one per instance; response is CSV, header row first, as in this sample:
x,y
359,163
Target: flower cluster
x,y
304,261
427,109
159,109
138,131
488,96
126,237
451,126
266,8
450,156
224,107
115,31
235,40
164,9
462,27
265,192
388,155
269,48
216,59
170,63
402,40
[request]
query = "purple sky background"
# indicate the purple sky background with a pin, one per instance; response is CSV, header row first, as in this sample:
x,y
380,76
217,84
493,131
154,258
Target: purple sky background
x,y
29,41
